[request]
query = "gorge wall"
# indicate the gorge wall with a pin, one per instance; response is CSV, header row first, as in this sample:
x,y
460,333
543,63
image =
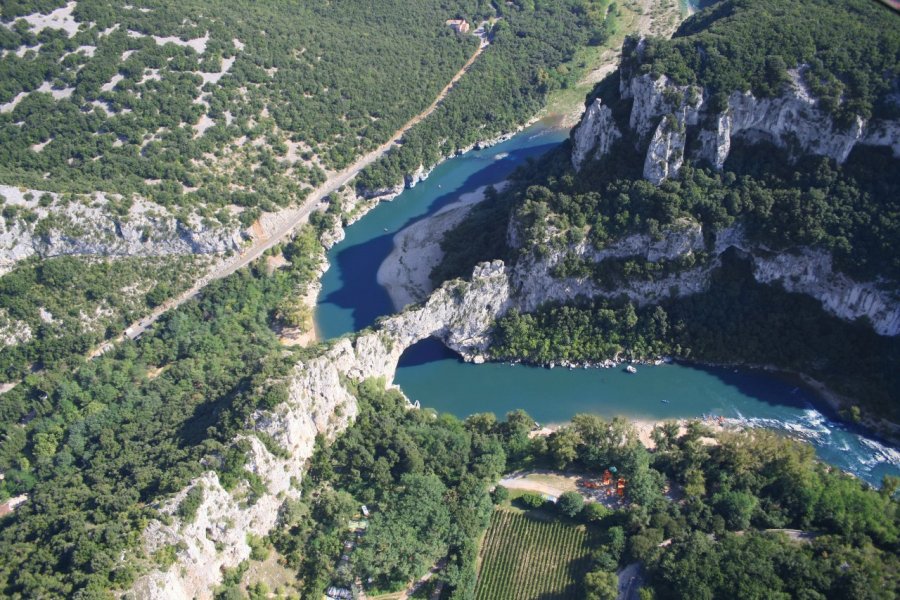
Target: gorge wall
x,y
665,121
664,116
44,224
460,313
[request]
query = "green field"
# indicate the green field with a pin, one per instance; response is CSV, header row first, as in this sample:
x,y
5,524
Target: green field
x,y
524,558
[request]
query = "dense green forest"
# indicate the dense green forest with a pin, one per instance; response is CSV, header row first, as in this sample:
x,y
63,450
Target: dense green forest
x,y
72,304
291,89
506,86
248,103
425,478
94,442
851,48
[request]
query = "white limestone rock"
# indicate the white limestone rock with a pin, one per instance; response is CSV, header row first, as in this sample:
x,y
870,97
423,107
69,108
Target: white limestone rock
x,y
461,313
793,119
534,283
665,153
810,272
595,134
89,227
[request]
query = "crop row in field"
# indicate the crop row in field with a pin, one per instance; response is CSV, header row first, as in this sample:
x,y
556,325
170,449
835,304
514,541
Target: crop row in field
x,y
524,558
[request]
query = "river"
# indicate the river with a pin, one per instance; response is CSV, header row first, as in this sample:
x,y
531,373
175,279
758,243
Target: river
x,y
352,299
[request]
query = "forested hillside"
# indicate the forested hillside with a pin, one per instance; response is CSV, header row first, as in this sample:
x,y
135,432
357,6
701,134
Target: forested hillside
x,y
155,120
93,445
212,102
217,112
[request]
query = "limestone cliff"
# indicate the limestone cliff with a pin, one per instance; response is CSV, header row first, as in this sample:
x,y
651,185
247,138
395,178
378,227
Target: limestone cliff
x,y
669,124
460,313
534,283
596,134
663,116
805,271
46,225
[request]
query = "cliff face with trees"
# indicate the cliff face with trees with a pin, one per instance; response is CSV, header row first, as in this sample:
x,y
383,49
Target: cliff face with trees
x,y
715,179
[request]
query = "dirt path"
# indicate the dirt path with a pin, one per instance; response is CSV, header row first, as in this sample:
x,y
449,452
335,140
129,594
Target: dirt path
x,y
289,219
546,482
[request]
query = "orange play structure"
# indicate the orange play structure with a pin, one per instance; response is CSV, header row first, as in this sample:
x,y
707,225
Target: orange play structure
x,y
613,486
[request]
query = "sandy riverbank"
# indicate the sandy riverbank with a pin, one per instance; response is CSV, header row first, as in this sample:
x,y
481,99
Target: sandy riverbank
x,y
644,428
406,272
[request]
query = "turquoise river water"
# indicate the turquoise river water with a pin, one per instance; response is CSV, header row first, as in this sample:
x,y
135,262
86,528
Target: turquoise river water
x,y
352,299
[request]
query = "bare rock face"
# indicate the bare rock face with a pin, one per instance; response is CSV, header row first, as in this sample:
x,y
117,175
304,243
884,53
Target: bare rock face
x,y
663,115
595,135
792,116
534,283
460,313
810,272
91,227
665,153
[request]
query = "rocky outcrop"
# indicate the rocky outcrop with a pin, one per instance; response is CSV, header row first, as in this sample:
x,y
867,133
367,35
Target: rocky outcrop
x,y
13,331
664,116
91,227
417,176
665,153
805,271
810,272
406,272
792,117
460,313
534,284
595,135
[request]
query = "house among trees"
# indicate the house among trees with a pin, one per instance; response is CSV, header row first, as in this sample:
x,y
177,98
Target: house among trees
x,y
460,25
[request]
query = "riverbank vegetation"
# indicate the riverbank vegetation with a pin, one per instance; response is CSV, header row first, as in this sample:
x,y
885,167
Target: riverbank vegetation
x,y
694,507
737,321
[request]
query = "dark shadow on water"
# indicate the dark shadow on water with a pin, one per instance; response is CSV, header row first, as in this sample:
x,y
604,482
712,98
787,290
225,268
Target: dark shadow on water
x,y
360,291
771,388
775,389
427,351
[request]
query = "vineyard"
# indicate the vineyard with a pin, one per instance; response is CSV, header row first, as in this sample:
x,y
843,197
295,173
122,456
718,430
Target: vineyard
x,y
524,559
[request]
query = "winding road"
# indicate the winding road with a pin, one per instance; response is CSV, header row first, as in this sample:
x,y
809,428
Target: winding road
x,y
289,219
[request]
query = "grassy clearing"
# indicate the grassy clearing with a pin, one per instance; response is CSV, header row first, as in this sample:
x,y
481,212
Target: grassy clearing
x,y
628,16
524,558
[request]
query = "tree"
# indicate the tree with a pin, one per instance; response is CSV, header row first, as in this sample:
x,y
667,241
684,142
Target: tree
x,y
570,504
563,446
594,512
736,508
500,494
531,500
601,585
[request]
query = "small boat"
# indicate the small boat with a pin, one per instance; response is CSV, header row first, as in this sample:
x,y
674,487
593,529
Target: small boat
x,y
630,369
664,401
385,228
